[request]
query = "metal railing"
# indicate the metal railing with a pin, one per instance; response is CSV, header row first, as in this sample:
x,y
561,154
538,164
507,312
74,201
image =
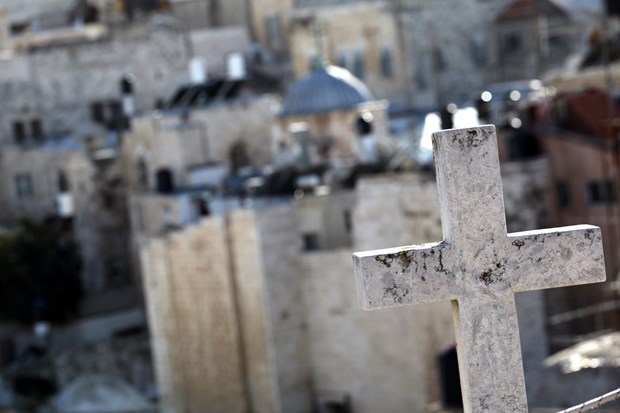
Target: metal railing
x,y
594,403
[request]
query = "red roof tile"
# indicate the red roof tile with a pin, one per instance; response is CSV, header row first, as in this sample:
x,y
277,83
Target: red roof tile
x,y
527,9
588,113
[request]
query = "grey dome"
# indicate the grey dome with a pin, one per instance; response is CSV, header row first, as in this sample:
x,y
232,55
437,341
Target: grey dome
x,y
326,89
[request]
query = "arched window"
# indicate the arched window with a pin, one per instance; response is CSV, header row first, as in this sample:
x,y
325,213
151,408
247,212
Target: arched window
x,y
165,181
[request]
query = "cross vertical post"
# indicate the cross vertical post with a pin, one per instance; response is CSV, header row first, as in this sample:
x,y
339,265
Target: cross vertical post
x,y
479,267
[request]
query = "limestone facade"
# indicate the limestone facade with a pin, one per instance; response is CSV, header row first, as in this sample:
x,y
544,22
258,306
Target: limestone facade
x,y
300,336
336,131
62,181
362,38
201,137
75,88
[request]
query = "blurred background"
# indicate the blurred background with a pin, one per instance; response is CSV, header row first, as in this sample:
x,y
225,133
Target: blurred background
x,y
182,184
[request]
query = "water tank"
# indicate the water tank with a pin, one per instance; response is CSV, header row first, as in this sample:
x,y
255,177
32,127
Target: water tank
x,y
235,65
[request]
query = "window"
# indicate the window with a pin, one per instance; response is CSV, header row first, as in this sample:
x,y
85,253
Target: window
x,y
63,182
36,128
562,195
359,67
23,186
19,131
512,43
387,63
311,242
97,112
348,221
478,50
202,207
600,192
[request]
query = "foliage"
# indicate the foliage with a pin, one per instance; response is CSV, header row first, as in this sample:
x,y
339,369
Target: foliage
x,y
39,273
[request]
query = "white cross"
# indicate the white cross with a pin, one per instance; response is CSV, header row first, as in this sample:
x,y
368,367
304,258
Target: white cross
x,y
479,267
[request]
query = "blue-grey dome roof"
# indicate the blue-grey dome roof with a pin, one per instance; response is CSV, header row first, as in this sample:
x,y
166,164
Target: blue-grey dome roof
x,y
326,89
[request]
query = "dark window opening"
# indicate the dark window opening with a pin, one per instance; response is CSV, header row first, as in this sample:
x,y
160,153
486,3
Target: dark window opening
x,y
97,112
348,221
359,67
562,194
387,63
63,182
512,43
36,129
311,242
600,192
19,131
19,28
107,199
202,207
165,181
239,156
116,120
555,41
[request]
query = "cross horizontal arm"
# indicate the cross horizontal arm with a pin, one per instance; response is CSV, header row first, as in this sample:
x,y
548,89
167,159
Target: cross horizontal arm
x,y
556,257
402,276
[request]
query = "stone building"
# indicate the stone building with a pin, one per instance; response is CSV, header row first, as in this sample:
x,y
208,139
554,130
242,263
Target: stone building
x,y
326,103
583,188
529,38
174,163
362,38
66,180
294,338
67,80
68,91
75,88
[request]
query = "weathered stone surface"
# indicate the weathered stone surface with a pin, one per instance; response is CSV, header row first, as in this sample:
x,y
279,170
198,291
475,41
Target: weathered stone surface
x,y
479,267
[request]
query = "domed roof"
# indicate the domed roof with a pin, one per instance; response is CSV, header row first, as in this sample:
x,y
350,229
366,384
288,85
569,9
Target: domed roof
x,y
326,89
101,394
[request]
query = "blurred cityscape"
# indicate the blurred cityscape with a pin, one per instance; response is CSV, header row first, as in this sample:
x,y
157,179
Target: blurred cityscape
x,y
182,184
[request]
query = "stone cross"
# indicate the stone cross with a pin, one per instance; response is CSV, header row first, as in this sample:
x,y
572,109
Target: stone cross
x,y
479,267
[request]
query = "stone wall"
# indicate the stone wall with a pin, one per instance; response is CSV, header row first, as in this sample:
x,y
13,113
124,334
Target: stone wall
x,y
216,44
396,210
41,167
288,326
193,319
280,247
383,360
253,299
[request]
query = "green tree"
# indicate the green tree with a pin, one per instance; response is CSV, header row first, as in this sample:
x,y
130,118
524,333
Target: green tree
x,y
39,273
